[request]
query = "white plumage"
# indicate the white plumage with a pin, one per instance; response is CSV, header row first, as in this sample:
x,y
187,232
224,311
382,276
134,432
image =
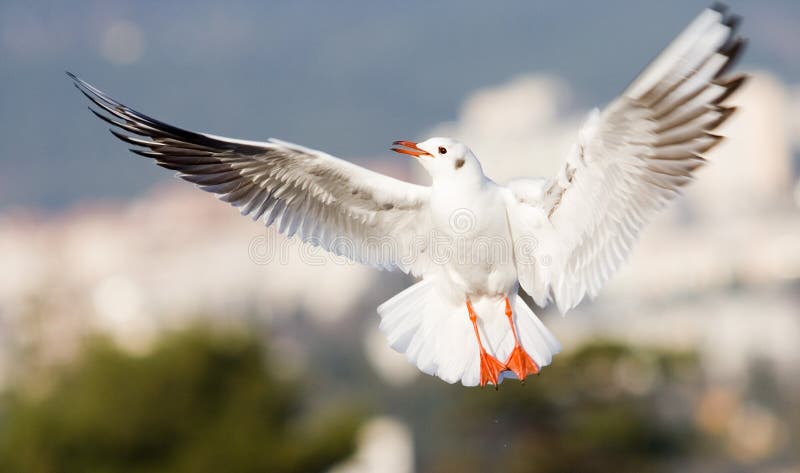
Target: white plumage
x,y
436,335
472,241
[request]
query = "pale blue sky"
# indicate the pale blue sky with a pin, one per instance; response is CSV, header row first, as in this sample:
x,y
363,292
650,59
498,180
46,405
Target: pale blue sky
x,y
347,77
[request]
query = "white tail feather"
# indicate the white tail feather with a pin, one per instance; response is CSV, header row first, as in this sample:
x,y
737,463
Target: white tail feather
x,y
436,335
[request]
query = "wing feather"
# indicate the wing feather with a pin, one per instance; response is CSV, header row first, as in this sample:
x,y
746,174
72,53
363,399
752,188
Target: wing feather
x,y
630,160
322,199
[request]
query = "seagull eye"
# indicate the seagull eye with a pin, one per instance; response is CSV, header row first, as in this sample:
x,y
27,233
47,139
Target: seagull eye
x,y
442,150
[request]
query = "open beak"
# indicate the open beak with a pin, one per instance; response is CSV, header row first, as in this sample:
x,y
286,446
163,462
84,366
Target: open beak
x,y
410,149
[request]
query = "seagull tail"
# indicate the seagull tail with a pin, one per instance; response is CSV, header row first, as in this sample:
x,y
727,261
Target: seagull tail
x,y
435,333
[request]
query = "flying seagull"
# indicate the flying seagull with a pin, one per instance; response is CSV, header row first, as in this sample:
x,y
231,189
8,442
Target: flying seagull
x,y
473,243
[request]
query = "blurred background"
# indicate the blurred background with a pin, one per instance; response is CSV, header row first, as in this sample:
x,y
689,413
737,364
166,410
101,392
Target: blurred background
x,y
145,326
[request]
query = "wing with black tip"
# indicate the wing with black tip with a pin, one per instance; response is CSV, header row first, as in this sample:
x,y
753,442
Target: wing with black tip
x,y
630,159
346,209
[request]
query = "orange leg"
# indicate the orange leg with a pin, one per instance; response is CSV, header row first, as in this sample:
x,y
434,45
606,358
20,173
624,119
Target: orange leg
x,y
490,366
519,361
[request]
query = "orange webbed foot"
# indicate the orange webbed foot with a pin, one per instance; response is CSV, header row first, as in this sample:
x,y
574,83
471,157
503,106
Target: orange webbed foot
x,y
521,363
491,368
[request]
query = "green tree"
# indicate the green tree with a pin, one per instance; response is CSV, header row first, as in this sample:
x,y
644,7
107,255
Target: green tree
x,y
603,408
198,402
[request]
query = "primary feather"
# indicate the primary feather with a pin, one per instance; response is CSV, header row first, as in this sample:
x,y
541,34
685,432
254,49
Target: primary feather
x,y
630,159
328,202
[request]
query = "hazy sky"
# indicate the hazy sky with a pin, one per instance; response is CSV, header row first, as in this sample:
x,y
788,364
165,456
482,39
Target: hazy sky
x,y
347,77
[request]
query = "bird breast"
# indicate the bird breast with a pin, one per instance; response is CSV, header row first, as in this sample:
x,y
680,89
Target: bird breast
x,y
472,245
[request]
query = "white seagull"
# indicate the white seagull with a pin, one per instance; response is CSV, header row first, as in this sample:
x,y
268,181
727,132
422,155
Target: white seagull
x,y
473,242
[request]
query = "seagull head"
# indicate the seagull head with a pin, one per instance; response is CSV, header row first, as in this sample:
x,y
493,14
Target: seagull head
x,y
441,157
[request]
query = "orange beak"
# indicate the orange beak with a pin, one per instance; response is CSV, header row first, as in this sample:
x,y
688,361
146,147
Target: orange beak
x,y
410,149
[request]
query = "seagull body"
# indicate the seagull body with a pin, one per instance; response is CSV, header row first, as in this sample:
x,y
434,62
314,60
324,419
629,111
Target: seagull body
x,y
469,209
473,243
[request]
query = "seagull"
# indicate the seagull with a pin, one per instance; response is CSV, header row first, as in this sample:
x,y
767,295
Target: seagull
x,y
473,243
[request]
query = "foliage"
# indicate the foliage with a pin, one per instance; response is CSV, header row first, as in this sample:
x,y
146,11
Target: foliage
x,y
199,402
603,408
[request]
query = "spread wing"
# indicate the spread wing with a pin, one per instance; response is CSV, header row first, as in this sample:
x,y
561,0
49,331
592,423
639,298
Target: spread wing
x,y
630,160
328,202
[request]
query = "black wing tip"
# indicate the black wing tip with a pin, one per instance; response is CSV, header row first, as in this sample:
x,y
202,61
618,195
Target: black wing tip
x,y
725,114
732,21
734,53
140,124
719,7
78,82
731,85
716,139
729,110
146,154
734,81
125,138
734,48
729,19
